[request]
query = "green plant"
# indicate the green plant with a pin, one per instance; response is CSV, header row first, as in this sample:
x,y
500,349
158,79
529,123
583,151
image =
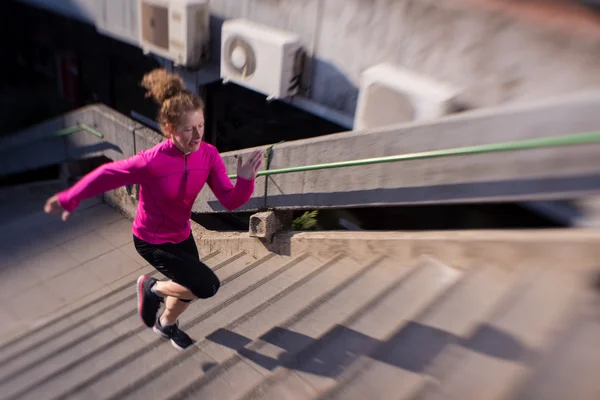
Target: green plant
x,y
306,222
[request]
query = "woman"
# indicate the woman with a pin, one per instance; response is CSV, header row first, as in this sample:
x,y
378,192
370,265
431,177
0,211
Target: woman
x,y
170,175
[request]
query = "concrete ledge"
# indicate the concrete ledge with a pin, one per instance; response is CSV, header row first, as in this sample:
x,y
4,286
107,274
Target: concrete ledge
x,y
459,249
506,176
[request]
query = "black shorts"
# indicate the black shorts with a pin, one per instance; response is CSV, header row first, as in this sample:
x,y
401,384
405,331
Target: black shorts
x,y
181,263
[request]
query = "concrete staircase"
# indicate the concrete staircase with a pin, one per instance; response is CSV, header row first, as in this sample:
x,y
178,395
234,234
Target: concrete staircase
x,y
304,326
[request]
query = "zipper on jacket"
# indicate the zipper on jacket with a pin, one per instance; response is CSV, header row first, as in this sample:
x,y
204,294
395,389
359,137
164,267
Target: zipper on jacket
x,y
185,170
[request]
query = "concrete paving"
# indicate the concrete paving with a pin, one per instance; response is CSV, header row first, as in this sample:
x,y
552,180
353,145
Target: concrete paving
x,y
46,264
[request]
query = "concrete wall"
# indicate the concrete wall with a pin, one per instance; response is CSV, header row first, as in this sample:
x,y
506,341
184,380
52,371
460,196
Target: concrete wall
x,y
460,249
37,147
552,173
495,56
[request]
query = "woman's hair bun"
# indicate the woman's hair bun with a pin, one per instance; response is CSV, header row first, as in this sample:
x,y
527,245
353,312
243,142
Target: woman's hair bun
x,y
162,85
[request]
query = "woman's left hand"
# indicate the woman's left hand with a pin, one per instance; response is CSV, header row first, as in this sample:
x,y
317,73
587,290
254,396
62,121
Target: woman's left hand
x,y
250,168
53,206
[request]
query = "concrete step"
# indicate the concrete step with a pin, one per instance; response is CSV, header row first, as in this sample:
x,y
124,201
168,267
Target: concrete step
x,y
570,370
401,363
129,359
174,369
99,334
287,299
494,361
338,345
281,344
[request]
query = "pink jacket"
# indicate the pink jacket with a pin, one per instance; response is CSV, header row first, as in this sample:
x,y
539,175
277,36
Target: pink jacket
x,y
169,183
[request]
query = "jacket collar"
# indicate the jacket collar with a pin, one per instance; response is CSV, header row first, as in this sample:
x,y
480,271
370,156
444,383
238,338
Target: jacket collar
x,y
173,150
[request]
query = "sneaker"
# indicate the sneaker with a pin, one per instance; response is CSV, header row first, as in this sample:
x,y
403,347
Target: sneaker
x,y
179,339
148,302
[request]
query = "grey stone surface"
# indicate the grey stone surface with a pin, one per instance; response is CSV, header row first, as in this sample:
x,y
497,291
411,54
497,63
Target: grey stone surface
x,y
51,263
47,264
87,247
493,368
111,266
265,224
130,251
415,347
117,233
146,138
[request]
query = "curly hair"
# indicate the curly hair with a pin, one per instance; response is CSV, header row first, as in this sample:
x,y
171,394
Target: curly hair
x,y
169,91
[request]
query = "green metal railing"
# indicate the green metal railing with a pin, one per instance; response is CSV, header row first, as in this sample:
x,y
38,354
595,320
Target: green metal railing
x,y
77,128
569,140
62,132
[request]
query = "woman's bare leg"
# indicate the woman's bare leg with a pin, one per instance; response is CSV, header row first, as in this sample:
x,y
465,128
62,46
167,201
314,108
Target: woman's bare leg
x,y
172,289
174,307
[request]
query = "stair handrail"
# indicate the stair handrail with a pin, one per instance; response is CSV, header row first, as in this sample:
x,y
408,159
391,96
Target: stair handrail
x,y
59,133
77,128
544,142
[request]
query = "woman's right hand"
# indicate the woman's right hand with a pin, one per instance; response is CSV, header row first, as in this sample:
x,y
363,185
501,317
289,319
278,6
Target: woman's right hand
x,y
52,206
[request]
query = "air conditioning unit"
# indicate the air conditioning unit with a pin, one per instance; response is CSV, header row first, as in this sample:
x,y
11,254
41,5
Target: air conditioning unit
x,y
175,29
390,95
260,58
